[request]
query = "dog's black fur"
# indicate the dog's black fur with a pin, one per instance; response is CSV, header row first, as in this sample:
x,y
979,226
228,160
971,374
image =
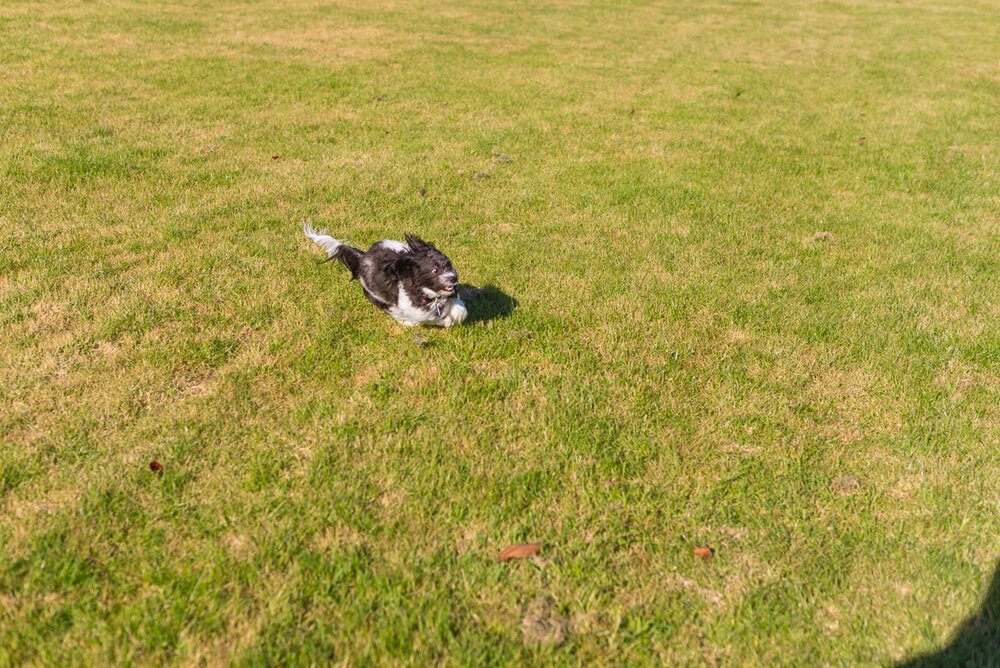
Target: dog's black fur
x,y
414,282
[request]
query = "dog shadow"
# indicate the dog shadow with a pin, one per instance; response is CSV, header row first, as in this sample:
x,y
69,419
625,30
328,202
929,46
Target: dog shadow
x,y
976,642
486,303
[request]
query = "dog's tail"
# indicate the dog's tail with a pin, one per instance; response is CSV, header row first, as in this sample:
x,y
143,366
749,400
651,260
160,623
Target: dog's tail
x,y
349,256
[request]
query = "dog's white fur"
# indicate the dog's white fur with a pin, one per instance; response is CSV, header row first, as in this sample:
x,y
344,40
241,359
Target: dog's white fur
x,y
324,241
452,311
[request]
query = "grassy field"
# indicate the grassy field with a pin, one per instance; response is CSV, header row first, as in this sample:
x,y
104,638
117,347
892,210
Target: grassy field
x,y
743,259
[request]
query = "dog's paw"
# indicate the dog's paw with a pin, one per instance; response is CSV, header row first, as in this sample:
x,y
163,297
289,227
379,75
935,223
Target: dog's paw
x,y
456,314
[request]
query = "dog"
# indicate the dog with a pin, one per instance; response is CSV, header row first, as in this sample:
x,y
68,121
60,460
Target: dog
x,y
413,282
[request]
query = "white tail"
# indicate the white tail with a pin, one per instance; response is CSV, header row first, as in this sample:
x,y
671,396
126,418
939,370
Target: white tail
x,y
323,240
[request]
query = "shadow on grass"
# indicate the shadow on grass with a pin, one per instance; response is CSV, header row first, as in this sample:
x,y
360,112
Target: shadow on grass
x,y
975,643
486,303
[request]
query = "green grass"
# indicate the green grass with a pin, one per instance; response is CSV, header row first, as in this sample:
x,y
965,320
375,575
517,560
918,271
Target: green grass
x,y
687,364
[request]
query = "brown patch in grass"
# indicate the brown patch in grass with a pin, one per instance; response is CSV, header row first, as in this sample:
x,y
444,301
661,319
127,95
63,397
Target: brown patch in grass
x,y
8,603
828,618
239,545
51,502
367,374
960,378
725,532
680,583
739,336
586,622
846,485
542,624
420,376
339,537
470,538
849,436
732,579
30,513
49,316
904,487
108,350
392,498
848,408
742,449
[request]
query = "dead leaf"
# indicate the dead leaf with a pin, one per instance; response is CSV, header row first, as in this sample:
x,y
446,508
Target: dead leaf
x,y
275,157
520,551
156,467
704,552
422,191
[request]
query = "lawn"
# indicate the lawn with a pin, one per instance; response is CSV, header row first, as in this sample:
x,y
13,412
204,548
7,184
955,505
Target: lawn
x,y
742,261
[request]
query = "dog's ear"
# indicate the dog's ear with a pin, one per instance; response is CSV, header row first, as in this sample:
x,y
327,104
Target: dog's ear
x,y
403,265
415,242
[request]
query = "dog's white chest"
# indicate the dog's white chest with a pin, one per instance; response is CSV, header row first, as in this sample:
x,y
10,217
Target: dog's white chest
x,y
407,313
445,314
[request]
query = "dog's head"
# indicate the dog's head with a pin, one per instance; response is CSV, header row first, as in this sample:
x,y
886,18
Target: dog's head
x,y
428,269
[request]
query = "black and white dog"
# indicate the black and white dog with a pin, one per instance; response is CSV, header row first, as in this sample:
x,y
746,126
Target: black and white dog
x,y
413,282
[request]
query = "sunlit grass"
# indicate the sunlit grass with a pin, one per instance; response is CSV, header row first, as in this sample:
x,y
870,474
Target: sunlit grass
x,y
753,252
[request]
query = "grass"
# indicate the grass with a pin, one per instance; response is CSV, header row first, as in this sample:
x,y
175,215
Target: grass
x,y
688,363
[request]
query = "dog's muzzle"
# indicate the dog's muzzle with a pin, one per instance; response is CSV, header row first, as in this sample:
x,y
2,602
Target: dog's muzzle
x,y
449,284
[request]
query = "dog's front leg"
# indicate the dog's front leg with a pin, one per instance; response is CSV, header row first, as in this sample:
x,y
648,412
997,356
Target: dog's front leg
x,y
456,313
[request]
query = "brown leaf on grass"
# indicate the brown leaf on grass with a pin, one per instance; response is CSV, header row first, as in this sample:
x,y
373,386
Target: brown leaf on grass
x,y
704,552
275,157
156,467
520,551
422,191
